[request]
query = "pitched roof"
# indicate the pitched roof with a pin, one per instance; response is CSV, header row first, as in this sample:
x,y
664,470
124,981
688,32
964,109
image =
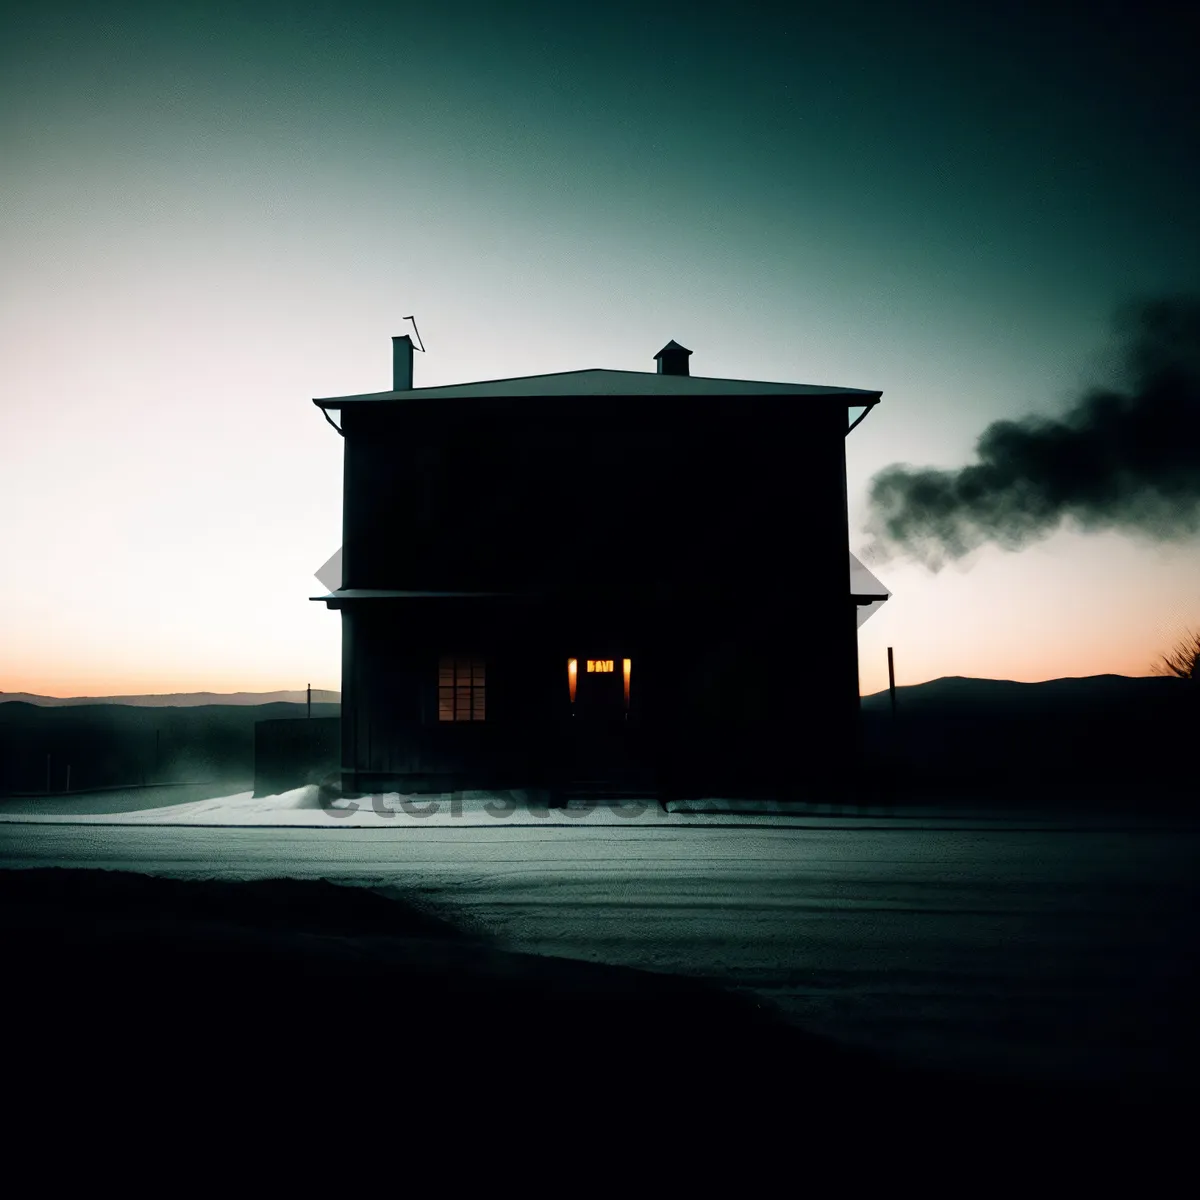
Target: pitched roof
x,y
600,382
673,350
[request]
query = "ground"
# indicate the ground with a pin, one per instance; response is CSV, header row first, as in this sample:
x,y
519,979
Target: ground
x,y
1003,945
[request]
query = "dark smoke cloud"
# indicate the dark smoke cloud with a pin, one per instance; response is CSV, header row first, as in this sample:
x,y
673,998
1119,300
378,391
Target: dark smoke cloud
x,y
1124,459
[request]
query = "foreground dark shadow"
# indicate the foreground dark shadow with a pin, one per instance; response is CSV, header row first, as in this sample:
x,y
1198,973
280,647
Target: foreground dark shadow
x,y
343,1000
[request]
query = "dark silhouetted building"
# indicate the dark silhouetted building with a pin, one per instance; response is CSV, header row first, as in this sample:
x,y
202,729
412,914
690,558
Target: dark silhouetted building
x,y
597,579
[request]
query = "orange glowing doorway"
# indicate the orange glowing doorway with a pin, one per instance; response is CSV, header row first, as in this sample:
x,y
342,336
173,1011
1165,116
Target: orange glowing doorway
x,y
600,688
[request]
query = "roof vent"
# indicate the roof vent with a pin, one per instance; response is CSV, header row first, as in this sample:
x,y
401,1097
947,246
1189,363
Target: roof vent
x,y
673,359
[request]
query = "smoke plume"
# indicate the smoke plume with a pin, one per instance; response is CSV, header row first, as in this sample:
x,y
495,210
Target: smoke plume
x,y
1125,459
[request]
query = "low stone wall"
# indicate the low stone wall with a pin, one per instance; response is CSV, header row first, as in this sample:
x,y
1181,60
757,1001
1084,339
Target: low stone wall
x,y
292,753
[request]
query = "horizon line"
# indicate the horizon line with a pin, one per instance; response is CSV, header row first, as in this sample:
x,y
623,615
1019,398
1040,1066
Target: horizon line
x,y
1149,674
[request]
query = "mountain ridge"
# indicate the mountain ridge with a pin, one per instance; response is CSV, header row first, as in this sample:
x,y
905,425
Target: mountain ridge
x,y
960,686
926,691
178,699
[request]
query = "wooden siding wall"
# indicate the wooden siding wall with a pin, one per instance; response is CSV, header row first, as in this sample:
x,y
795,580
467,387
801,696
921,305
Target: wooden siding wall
x,y
602,493
710,535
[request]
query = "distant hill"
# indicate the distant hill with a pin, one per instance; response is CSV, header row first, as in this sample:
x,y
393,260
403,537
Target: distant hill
x,y
1074,737
1089,690
179,699
1127,736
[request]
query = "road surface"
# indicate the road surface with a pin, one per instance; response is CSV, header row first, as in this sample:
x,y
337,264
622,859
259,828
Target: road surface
x,y
1070,953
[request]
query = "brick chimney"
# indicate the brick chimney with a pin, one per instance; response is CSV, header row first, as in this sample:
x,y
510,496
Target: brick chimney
x,y
402,363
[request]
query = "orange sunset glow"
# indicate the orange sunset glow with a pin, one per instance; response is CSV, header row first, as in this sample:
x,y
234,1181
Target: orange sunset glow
x,y
198,241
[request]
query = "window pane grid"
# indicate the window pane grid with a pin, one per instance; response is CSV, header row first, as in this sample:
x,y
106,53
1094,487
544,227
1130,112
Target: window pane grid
x,y
461,689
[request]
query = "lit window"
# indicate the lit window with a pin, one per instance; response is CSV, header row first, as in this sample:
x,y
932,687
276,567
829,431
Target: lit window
x,y
461,689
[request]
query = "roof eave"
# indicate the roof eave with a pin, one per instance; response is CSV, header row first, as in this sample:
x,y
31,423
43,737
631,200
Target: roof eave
x,y
850,397
862,416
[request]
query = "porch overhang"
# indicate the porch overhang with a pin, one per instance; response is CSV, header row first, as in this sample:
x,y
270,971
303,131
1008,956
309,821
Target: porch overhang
x,y
364,595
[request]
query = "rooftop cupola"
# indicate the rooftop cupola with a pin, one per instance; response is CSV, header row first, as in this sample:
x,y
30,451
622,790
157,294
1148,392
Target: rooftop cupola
x,y
673,359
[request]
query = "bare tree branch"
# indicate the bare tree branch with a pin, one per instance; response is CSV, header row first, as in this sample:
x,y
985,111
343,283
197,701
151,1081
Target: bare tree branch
x,y
1183,661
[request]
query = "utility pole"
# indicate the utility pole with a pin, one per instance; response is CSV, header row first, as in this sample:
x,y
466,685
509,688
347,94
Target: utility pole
x,y
893,740
310,699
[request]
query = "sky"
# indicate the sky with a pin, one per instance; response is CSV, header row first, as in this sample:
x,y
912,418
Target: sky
x,y
211,214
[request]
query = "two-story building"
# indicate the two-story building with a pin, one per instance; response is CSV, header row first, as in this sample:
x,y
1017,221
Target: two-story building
x,y
621,578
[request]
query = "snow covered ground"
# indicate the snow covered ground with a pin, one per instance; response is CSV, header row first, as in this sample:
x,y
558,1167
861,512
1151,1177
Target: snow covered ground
x,y
1004,943
200,804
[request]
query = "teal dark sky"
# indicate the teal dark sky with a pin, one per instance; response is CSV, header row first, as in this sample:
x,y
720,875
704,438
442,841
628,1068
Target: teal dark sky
x,y
1025,153
211,215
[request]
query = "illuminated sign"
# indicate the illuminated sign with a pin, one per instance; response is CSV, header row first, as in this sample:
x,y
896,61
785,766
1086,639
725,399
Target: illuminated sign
x,y
599,665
